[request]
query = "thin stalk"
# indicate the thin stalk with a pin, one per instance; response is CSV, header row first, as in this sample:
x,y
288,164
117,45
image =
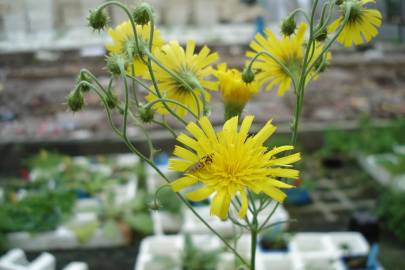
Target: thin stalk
x,y
253,233
174,75
167,100
275,59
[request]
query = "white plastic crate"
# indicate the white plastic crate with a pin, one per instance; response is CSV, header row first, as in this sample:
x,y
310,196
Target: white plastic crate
x,y
63,237
169,246
15,259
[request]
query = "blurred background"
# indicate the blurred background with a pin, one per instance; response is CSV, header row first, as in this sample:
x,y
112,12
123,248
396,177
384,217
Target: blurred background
x,y
352,128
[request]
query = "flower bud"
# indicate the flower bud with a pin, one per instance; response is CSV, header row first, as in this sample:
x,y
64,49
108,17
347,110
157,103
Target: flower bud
x,y
83,77
142,13
115,62
98,19
288,26
146,114
247,75
111,100
155,205
75,100
321,65
322,36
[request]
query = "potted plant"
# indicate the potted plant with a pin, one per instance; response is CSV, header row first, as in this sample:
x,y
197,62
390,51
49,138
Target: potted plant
x,y
274,240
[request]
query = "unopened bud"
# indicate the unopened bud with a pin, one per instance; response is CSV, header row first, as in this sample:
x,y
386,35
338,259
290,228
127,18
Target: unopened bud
x,y
75,100
142,14
146,114
98,19
83,77
155,205
111,100
115,63
247,75
321,65
322,36
288,26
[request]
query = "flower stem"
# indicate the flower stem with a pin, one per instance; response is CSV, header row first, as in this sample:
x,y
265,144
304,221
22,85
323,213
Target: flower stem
x,y
253,233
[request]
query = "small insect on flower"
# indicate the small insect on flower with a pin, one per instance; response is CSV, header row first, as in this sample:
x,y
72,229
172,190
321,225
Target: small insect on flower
x,y
202,163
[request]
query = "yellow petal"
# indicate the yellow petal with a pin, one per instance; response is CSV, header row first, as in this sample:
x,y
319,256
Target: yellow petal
x,y
182,183
199,194
220,204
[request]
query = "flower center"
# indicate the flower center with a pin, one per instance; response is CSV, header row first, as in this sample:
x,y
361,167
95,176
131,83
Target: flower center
x,y
355,13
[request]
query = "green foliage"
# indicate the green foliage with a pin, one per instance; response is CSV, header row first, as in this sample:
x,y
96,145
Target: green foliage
x,y
367,139
84,232
395,166
141,222
196,259
36,212
169,201
391,209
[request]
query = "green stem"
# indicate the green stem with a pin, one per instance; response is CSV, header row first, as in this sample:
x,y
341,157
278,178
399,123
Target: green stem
x,y
253,233
166,100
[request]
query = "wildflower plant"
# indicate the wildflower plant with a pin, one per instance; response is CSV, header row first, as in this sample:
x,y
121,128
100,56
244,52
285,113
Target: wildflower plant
x,y
230,166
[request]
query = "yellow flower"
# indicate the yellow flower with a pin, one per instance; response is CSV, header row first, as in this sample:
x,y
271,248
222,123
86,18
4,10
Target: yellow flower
x,y
123,42
230,163
233,89
288,50
362,25
192,68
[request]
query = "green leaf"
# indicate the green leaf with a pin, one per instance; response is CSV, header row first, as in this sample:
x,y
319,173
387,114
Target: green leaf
x,y
84,232
141,222
111,229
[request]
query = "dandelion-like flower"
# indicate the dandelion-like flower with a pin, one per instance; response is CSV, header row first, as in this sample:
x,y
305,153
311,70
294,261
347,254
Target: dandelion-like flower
x,y
234,91
230,163
193,69
124,43
362,25
289,50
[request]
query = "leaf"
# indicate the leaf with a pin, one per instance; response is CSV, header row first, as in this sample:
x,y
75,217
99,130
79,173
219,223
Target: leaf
x,y
140,222
84,232
111,229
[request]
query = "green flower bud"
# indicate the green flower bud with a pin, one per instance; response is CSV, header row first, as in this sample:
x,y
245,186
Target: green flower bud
x,y
155,205
141,14
288,26
247,75
115,62
321,65
146,114
98,19
83,77
75,100
322,36
111,100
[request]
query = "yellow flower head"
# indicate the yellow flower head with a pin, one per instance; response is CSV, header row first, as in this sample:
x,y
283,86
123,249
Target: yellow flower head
x,y
230,163
289,50
192,68
233,89
362,25
123,42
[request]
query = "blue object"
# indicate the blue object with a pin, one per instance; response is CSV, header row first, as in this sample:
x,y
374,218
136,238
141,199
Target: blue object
x,y
81,194
298,196
161,159
260,24
372,257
